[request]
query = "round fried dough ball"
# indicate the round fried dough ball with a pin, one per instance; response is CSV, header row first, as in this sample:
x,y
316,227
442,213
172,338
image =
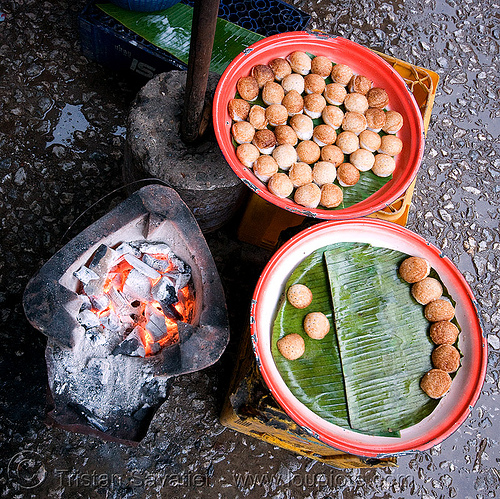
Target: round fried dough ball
x,y
280,185
299,295
300,62
331,195
439,310
291,346
414,269
300,174
332,154
322,66
446,358
308,151
307,195
280,68
238,109
263,74
316,325
248,88
435,383
427,290
347,175
444,333
247,154
341,73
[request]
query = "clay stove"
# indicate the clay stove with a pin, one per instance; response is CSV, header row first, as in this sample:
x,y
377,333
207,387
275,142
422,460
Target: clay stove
x,y
132,301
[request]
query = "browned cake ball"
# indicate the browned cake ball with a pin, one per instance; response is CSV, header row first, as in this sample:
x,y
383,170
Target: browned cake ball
x,y
248,88
265,167
280,185
439,310
354,122
348,142
247,154
308,152
291,346
257,117
375,119
285,155
414,269
369,140
276,114
263,74
341,73
242,132
331,195
293,102
280,68
285,135
446,358
307,195
360,84
316,325
444,333
324,173
300,174
391,145
272,93
393,122
303,126
293,81
347,175
377,97
238,109
332,154
335,93
299,295
435,383
324,135
384,165
427,290
356,102
332,116
264,140
314,84
321,65
314,105
300,62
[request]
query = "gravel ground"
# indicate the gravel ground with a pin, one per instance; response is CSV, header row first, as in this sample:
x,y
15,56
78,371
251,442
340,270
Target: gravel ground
x,y
62,132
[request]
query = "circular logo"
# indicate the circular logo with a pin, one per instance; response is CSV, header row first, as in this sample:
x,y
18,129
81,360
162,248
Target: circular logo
x,y
26,469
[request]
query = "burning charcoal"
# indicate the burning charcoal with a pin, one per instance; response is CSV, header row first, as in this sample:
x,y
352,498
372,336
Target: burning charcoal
x,y
120,303
86,305
132,345
156,263
87,319
137,287
142,267
104,259
96,335
171,312
156,323
180,265
164,291
126,249
110,321
99,303
85,275
152,248
181,279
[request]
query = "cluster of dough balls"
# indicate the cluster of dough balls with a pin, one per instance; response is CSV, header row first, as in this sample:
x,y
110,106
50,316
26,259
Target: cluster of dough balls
x,y
316,324
439,312
284,147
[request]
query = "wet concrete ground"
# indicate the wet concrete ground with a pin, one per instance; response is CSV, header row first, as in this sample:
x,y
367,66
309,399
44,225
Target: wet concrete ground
x,y
62,130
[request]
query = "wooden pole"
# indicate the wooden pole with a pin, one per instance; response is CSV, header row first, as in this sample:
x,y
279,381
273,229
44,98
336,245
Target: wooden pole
x,y
200,53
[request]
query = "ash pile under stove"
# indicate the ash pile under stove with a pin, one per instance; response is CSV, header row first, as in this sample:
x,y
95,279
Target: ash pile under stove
x,y
132,301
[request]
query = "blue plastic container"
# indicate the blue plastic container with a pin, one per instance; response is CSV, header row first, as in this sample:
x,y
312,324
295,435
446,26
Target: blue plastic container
x,y
145,5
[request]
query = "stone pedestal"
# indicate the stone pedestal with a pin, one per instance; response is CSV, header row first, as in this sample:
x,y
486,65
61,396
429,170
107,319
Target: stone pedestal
x,y
154,149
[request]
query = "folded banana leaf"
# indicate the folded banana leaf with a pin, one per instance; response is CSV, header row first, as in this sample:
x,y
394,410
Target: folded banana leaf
x,y
365,374
315,378
382,332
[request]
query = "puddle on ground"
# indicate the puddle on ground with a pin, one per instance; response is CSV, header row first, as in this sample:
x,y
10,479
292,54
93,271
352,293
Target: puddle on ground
x,y
70,121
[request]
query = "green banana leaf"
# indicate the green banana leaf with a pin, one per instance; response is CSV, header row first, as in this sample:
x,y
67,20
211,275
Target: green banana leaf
x,y
170,30
382,332
355,376
315,378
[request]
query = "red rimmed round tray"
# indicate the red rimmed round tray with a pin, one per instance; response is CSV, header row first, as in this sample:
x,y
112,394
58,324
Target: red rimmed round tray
x,y
362,61
452,409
